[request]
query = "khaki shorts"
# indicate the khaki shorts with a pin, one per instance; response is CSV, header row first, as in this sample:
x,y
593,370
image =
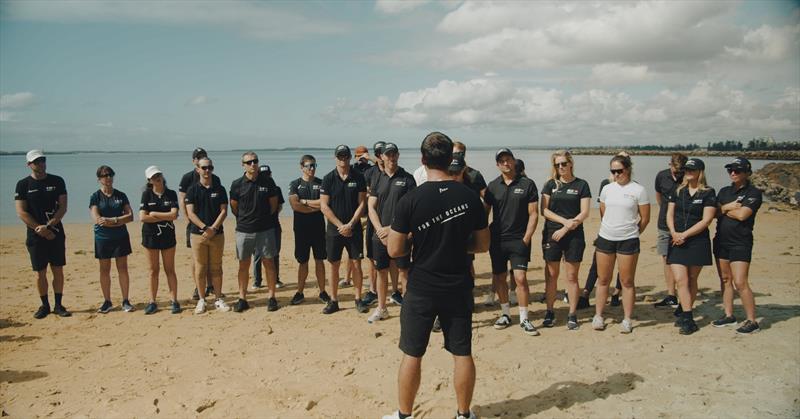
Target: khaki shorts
x,y
207,254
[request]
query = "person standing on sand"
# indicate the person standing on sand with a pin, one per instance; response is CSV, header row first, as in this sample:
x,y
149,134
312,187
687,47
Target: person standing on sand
x,y
441,220
370,174
667,181
254,201
40,201
737,205
342,200
265,171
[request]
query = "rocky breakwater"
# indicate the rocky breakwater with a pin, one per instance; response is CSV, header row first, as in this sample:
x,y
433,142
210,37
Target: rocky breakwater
x,y
780,182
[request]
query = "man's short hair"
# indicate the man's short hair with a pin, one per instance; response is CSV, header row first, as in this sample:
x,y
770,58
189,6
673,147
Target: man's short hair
x,y
437,151
305,158
249,153
459,145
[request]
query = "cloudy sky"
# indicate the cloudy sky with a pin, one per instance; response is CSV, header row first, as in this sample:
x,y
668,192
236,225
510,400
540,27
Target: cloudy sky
x,y
231,74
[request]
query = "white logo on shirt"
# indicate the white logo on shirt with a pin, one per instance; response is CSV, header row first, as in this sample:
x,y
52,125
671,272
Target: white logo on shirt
x,y
50,188
519,191
351,184
214,194
442,190
572,191
697,201
152,203
32,190
400,183
263,189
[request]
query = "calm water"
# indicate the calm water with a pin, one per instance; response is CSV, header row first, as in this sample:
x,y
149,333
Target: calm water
x,y
78,170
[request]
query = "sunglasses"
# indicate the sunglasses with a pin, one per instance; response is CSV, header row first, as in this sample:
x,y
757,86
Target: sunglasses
x,y
40,160
735,171
310,166
343,157
616,171
209,168
106,175
250,162
562,164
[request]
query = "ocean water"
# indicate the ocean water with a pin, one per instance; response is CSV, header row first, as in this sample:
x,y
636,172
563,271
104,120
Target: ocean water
x,y
78,171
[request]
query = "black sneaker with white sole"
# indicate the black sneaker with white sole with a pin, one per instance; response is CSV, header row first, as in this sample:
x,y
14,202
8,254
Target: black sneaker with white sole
x,y
297,299
549,319
397,298
106,307
668,301
748,327
360,306
572,322
502,322
528,328
241,305
370,298
324,297
724,321
331,307
272,304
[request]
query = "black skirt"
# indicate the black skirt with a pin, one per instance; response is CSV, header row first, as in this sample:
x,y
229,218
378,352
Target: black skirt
x,y
696,251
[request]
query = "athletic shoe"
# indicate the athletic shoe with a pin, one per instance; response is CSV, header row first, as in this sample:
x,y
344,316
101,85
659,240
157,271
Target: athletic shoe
x,y
272,304
678,311
437,326
369,298
396,415
61,311
221,306
127,306
297,299
549,319
724,321
512,298
360,306
257,286
615,300
42,312
176,307
106,307
344,283
583,302
279,284
598,323
150,308
678,322
397,298
331,307
688,327
748,327
241,305
209,290
195,295
668,301
324,297
625,327
471,416
502,322
489,301
378,314
200,308
527,328
572,322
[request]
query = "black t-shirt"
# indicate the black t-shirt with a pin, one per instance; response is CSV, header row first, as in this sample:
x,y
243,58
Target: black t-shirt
x,y
665,185
41,197
689,209
253,209
510,206
190,178
109,206
361,166
370,174
389,190
207,203
276,218
311,223
151,202
441,216
343,195
476,180
565,200
732,232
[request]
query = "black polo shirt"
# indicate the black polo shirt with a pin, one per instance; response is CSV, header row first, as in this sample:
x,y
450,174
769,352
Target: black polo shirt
x,y
41,197
190,178
207,203
389,190
109,206
371,173
476,180
665,185
311,223
689,209
510,206
732,232
441,216
151,202
343,195
565,200
253,209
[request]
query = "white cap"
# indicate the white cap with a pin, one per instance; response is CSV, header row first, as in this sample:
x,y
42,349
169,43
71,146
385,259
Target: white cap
x,y
150,171
33,155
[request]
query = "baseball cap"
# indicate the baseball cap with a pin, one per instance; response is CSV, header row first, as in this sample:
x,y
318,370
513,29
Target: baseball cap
x,y
456,165
740,163
342,150
502,151
264,168
694,164
199,152
33,155
390,147
151,171
377,148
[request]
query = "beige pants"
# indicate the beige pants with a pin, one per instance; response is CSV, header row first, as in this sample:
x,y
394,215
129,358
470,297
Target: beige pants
x,y
208,257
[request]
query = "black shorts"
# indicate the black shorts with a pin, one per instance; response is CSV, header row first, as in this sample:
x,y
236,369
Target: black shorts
x,y
503,251
382,258
623,247
305,242
741,253
109,249
696,251
570,247
164,241
418,312
44,252
354,245
369,237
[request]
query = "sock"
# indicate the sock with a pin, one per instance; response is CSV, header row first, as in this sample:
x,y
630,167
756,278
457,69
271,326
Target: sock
x,y
506,308
403,415
687,315
44,301
58,299
523,314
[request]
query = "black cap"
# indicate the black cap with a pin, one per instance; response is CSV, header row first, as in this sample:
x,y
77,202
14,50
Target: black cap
x,y
199,152
457,165
390,147
264,168
740,163
694,164
342,150
378,147
502,151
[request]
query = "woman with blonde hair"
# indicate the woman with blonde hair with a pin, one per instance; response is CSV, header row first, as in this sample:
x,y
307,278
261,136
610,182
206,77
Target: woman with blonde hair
x,y
565,205
689,213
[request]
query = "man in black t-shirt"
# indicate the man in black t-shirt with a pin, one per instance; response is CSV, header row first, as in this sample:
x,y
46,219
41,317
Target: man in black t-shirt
x,y
369,175
41,202
342,201
442,220
265,171
666,182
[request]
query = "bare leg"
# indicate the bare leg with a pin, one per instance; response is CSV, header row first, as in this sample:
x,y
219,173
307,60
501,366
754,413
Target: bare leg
x,y
335,280
726,285
572,284
41,282
383,287
105,278
500,285
168,259
58,279
302,274
271,275
522,290
605,267
694,273
740,273
464,381
681,275
124,279
408,379
627,274
243,276
358,279
669,279
154,267
551,283
320,271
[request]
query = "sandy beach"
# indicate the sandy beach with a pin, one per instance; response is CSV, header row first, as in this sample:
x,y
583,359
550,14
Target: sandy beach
x,y
297,362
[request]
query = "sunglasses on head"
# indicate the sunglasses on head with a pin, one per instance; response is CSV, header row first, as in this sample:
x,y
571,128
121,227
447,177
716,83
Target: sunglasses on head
x,y
616,171
562,164
250,162
209,168
40,160
310,166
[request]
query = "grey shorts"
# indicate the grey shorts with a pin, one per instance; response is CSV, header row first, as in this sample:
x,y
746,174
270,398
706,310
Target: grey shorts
x,y
261,243
662,243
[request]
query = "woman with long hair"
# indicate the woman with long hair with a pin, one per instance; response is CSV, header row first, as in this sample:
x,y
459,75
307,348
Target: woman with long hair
x,y
111,210
157,210
689,213
624,212
565,205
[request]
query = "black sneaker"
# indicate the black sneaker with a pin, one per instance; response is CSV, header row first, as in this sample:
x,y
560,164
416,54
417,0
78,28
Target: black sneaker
x,y
370,298
176,307
678,311
572,322
272,304
106,307
397,298
324,297
61,311
257,285
42,312
210,290
668,301
150,308
583,303
360,306
748,327
297,299
549,319
331,307
615,300
241,306
196,295
688,327
678,321
724,321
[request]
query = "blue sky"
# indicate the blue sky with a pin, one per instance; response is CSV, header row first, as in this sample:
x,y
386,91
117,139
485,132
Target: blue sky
x,y
95,75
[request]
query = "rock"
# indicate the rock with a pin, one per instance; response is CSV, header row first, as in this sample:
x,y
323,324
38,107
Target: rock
x,y
378,334
780,182
350,372
208,404
310,405
155,402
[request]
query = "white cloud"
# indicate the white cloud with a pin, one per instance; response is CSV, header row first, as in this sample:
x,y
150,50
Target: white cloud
x,y
768,43
398,6
16,100
616,73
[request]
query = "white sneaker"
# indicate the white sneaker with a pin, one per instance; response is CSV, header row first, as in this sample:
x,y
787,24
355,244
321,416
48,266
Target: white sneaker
x,y
489,301
395,415
626,326
201,307
598,323
512,298
378,314
221,306
344,283
471,416
502,322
